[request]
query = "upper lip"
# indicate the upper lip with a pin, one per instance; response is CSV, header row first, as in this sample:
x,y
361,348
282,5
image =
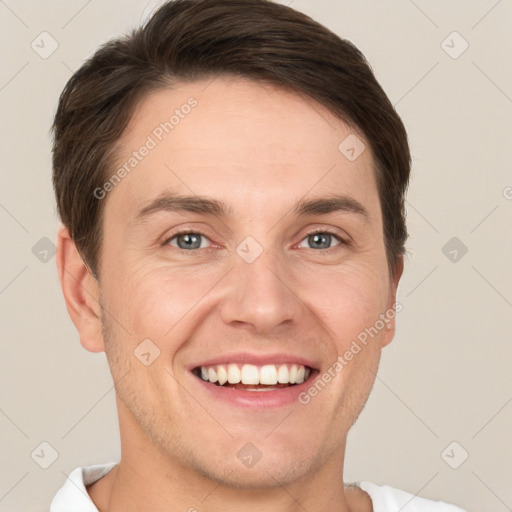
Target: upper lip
x,y
256,359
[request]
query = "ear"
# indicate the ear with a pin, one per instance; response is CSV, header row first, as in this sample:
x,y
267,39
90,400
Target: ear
x,y
81,292
391,308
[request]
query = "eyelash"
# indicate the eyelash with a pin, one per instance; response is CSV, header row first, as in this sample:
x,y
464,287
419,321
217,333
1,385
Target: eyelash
x,y
194,251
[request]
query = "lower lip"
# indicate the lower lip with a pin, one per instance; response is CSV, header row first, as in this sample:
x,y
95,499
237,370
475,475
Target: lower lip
x,y
257,399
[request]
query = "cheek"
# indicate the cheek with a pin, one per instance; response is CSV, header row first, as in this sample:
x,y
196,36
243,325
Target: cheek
x,y
156,301
348,300
351,304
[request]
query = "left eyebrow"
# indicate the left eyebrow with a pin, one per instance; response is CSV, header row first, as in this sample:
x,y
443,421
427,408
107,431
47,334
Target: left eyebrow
x,y
326,205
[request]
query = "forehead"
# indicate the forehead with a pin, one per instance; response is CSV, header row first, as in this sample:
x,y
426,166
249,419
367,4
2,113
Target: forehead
x,y
248,143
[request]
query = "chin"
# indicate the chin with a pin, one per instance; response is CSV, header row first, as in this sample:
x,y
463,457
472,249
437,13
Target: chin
x,y
249,468
261,476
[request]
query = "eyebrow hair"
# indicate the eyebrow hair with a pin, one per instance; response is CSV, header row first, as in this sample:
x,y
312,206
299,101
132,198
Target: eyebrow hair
x,y
178,203
209,206
325,205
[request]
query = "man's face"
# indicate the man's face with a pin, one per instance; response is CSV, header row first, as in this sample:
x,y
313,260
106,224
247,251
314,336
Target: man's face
x,y
247,286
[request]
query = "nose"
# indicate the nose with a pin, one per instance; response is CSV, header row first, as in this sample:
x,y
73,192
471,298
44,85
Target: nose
x,y
260,295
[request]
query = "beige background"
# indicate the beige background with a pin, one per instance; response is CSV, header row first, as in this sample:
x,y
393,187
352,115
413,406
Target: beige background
x,y
446,376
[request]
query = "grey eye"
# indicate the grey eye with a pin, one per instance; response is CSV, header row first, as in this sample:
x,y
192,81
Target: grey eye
x,y
320,240
188,241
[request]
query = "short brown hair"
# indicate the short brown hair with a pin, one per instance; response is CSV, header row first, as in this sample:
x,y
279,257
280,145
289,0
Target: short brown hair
x,y
187,40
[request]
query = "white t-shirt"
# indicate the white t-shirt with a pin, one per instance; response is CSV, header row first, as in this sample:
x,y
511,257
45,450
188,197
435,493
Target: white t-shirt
x,y
73,496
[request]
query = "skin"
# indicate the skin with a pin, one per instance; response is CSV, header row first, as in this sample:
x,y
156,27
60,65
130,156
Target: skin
x,y
260,150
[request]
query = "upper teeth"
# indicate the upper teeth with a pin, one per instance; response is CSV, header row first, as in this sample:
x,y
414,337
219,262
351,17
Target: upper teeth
x,y
250,374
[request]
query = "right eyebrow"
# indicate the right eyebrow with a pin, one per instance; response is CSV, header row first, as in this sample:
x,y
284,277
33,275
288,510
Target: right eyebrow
x,y
179,203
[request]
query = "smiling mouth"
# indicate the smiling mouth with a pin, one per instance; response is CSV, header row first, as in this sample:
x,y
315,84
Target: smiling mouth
x,y
250,377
